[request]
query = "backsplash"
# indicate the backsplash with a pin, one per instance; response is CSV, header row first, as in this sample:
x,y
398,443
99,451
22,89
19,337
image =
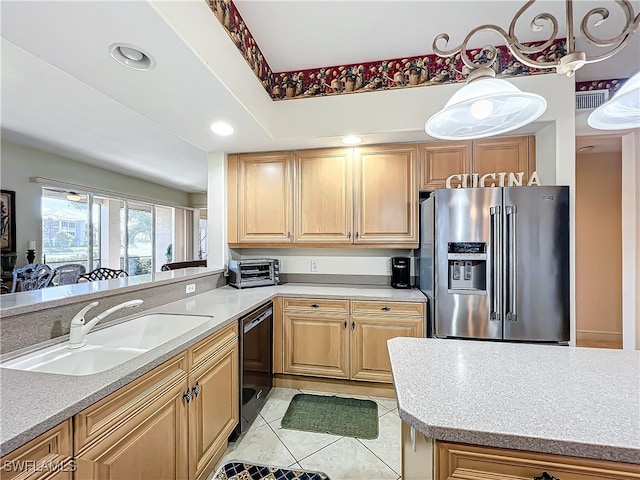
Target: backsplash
x,y
26,329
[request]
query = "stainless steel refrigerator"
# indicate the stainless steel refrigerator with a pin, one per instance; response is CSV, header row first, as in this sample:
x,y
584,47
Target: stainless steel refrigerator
x,y
494,263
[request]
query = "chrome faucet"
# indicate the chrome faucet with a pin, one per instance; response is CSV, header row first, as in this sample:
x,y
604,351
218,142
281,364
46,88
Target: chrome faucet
x,y
80,328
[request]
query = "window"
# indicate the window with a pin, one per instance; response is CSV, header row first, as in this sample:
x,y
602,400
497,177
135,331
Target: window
x,y
100,231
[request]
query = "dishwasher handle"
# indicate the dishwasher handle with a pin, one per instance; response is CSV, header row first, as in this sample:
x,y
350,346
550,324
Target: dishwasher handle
x,y
257,321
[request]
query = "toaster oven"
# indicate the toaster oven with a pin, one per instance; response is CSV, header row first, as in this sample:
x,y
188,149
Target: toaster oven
x,y
254,272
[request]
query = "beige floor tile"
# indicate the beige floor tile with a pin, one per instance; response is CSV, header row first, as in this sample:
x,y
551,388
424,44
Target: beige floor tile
x,y
314,392
387,445
260,446
257,422
277,403
387,403
348,459
302,444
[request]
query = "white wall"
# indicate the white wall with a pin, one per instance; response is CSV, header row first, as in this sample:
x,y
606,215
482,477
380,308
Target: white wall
x,y
19,163
631,240
217,255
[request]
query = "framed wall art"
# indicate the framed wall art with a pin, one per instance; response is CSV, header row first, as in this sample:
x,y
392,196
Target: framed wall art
x,y
8,225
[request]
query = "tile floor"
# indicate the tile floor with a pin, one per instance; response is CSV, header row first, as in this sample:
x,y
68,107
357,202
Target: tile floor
x,y
342,458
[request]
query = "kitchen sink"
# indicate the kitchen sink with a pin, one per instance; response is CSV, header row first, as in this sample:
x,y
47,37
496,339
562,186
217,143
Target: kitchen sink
x,y
109,347
82,361
146,331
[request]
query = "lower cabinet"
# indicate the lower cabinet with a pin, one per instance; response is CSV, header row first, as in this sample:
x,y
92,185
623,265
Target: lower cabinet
x,y
173,422
427,459
318,342
46,457
369,335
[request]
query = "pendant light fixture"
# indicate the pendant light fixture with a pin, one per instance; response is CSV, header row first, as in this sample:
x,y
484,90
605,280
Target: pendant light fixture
x,y
485,109
622,111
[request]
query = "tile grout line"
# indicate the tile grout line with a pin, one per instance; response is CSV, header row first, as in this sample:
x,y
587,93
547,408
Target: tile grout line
x,y
378,457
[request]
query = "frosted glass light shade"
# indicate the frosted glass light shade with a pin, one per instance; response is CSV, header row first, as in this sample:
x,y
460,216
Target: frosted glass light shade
x,y
485,107
622,111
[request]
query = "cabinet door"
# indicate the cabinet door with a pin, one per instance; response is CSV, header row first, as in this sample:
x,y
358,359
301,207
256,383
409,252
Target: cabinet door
x,y
504,154
439,160
324,196
150,444
48,456
214,409
369,335
265,198
386,197
316,345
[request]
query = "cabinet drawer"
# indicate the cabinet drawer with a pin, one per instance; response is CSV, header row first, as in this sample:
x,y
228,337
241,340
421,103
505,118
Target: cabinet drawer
x,y
109,413
212,344
316,305
367,307
471,461
51,449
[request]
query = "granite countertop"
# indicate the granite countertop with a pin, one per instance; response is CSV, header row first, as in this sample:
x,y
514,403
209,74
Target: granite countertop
x,y
581,402
31,403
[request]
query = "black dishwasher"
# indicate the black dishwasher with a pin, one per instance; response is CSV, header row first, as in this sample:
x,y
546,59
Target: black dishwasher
x,y
256,364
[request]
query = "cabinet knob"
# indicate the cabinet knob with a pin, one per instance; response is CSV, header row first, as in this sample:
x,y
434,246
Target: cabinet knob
x,y
545,476
288,234
315,305
196,389
345,324
357,234
349,235
187,395
353,325
386,309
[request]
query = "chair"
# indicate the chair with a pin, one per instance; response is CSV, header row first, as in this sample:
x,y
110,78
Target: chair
x,y
177,265
102,273
32,276
69,273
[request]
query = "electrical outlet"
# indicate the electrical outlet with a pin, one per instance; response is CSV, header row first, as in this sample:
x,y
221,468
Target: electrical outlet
x,y
191,288
314,265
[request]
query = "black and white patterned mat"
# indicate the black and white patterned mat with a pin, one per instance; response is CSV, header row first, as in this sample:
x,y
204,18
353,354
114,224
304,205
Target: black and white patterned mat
x,y
249,471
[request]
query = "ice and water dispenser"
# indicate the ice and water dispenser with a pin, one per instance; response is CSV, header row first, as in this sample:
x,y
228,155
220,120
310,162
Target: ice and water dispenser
x,y
467,267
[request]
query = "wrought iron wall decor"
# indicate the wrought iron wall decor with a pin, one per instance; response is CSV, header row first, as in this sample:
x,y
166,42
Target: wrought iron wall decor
x,y
8,221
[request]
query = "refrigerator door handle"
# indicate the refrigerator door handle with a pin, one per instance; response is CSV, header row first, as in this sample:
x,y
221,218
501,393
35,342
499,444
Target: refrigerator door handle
x,y
496,244
512,259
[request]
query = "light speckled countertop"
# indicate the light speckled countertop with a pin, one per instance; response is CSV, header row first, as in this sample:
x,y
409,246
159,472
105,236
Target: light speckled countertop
x,y
582,402
31,403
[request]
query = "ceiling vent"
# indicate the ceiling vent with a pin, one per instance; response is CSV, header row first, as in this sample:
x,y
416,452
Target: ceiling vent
x,y
591,99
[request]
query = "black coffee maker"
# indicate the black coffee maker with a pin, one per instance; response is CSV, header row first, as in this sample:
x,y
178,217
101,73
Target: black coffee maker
x,y
400,272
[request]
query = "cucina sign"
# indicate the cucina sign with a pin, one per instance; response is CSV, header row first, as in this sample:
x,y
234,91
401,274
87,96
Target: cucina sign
x,y
499,179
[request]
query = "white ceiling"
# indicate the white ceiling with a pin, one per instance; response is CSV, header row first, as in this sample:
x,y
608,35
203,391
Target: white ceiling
x,y
62,92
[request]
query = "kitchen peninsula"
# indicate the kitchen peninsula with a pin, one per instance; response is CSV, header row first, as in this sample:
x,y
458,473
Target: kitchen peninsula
x,y
483,407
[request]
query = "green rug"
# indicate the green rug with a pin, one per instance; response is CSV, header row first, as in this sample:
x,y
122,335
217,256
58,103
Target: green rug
x,y
347,417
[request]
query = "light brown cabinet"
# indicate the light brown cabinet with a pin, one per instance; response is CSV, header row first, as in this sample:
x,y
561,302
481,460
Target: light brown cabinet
x,y
261,204
439,160
427,459
351,197
173,422
316,344
322,339
46,457
324,196
386,197
471,461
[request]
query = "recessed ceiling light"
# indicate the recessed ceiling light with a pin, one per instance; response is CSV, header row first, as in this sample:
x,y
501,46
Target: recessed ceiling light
x,y
351,140
222,128
131,56
586,148
74,197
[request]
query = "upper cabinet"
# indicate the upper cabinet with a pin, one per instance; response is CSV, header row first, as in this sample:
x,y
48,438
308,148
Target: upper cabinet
x,y
439,160
324,196
344,196
262,197
386,198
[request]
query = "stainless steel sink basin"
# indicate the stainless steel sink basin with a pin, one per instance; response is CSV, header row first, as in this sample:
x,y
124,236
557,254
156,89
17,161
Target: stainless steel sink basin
x,y
109,347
